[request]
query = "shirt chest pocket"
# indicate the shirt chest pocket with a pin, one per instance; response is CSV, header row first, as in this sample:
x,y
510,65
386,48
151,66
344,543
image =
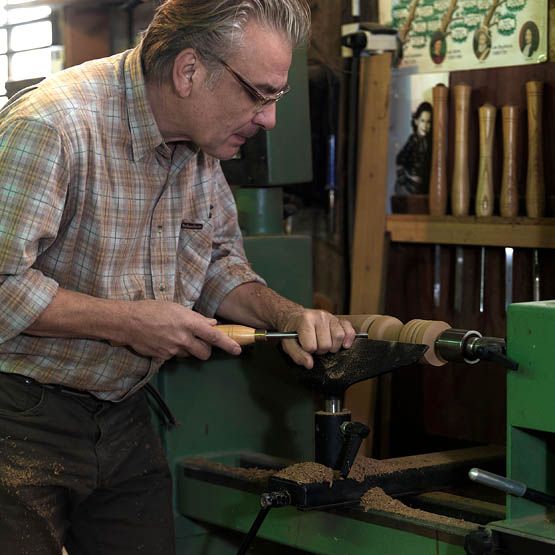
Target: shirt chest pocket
x,y
194,252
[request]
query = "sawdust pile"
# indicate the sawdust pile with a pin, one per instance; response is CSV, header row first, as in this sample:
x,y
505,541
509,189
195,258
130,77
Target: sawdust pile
x,y
307,473
363,467
254,474
376,499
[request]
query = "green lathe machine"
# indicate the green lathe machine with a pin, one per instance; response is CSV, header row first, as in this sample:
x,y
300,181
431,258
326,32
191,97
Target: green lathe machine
x,y
256,412
259,411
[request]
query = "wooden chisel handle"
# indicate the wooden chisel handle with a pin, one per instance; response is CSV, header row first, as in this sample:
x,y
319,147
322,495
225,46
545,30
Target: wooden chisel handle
x,y
460,186
484,194
244,335
438,173
509,187
535,185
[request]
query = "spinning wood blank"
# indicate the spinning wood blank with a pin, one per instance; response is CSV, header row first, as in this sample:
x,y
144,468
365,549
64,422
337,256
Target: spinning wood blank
x,y
361,322
377,326
484,194
385,328
425,332
460,186
438,172
535,185
509,186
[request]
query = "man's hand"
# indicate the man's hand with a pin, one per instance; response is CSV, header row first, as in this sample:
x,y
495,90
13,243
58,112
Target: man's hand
x,y
163,330
319,332
256,305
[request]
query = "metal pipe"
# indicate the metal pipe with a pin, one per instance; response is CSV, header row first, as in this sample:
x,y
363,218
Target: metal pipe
x,y
333,405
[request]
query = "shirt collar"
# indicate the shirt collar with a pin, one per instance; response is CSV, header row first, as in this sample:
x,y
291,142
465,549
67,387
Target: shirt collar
x,y
145,135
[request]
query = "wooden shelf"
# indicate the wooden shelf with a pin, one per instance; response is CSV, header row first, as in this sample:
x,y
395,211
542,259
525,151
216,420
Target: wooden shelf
x,y
493,231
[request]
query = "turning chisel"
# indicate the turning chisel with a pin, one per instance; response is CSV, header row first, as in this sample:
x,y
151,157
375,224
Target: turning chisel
x,y
535,183
460,185
245,335
509,189
484,193
438,174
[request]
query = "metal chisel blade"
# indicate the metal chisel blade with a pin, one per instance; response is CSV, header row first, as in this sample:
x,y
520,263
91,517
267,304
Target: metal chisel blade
x,y
536,276
509,252
437,276
482,278
459,276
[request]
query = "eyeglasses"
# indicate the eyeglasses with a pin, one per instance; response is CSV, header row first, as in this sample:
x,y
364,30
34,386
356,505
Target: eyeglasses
x,y
262,100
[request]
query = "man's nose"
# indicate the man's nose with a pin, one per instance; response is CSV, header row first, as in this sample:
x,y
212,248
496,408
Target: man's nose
x,y
266,118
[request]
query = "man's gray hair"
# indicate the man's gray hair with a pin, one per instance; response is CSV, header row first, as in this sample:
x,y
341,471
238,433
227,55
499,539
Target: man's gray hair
x,y
214,28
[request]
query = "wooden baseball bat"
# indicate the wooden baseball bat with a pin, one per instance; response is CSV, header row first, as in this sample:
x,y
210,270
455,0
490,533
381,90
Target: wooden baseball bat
x,y
484,194
535,184
509,186
460,186
438,173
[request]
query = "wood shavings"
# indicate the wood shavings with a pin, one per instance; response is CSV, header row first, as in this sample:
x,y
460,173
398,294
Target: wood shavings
x,y
363,467
375,499
307,473
251,474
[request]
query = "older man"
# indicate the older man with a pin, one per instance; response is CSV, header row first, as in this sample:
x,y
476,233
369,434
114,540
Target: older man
x,y
118,245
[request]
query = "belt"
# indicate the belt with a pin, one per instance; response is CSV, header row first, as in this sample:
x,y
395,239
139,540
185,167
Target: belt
x,y
55,387
166,413
67,390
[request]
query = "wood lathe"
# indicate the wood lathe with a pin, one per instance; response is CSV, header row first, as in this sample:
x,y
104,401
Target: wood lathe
x,y
207,482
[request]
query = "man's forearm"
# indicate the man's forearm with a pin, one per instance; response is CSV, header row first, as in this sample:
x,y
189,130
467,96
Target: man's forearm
x,y
76,315
256,305
159,329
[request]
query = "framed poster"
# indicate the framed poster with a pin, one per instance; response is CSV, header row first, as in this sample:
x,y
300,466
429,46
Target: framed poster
x,y
452,35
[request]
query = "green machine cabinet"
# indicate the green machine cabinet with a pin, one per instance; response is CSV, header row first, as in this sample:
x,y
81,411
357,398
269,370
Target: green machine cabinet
x,y
530,426
247,404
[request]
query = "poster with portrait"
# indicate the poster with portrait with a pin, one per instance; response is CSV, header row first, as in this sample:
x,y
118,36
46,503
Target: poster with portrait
x,y
452,35
410,137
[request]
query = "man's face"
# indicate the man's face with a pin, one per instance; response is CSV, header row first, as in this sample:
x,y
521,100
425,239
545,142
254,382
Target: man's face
x,y
226,114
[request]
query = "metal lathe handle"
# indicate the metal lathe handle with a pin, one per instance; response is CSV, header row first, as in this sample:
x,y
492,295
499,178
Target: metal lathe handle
x,y
495,481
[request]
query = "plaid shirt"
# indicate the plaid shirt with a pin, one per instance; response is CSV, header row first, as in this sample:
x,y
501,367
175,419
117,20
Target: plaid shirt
x,y
93,200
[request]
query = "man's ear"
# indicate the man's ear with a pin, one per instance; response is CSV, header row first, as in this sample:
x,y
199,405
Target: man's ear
x,y
185,65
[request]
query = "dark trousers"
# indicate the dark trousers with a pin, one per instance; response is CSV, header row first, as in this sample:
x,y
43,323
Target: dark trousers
x,y
80,472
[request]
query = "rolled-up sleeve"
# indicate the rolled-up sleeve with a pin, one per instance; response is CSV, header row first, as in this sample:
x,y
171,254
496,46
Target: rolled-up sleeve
x,y
33,188
229,266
